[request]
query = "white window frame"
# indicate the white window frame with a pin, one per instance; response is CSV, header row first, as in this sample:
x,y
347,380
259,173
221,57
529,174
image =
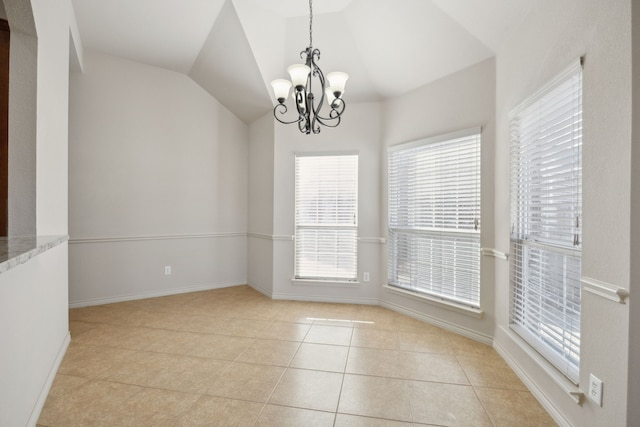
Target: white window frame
x,y
546,211
326,233
434,248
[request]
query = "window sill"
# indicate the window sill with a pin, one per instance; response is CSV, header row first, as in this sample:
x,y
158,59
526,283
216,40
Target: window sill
x,y
573,390
319,282
473,312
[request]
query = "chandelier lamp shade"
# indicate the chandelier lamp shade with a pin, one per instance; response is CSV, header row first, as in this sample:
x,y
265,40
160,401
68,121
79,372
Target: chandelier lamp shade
x,y
303,76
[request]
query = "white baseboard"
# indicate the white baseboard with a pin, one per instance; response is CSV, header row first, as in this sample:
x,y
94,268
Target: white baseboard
x,y
313,298
262,290
325,298
152,294
42,398
536,391
375,301
485,339
426,299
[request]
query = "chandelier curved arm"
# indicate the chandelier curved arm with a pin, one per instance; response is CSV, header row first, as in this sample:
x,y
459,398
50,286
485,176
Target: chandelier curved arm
x,y
282,111
303,126
334,118
337,108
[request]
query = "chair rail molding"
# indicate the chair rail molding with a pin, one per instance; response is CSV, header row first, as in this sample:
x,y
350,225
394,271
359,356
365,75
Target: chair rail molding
x,y
605,290
378,240
82,240
273,237
494,253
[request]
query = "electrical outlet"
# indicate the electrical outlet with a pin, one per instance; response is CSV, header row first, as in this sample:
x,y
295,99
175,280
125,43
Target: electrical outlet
x,y
595,389
365,276
167,270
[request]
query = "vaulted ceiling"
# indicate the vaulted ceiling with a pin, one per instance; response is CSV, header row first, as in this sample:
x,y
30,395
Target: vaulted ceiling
x,y
234,48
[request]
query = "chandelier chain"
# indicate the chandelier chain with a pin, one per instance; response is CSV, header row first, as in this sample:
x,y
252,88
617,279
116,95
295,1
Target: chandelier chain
x,y
310,23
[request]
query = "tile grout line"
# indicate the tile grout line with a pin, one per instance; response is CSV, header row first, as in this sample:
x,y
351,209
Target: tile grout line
x,y
484,408
475,393
280,378
344,375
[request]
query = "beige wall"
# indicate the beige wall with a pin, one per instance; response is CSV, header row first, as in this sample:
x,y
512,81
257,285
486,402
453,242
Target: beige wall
x,y
158,176
553,35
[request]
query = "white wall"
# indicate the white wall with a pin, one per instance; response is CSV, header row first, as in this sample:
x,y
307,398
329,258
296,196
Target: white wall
x,y
553,35
633,410
34,332
23,110
34,295
158,176
53,121
261,171
359,132
463,100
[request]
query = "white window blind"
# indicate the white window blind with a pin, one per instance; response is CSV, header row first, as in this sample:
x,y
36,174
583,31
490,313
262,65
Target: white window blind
x,y
434,217
326,217
546,209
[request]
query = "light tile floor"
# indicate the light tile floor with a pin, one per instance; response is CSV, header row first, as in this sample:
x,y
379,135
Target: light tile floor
x,y
232,357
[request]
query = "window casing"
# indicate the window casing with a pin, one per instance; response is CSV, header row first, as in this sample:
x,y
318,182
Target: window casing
x,y
434,217
546,213
326,201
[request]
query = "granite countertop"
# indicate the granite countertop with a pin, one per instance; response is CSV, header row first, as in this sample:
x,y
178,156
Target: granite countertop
x,y
18,250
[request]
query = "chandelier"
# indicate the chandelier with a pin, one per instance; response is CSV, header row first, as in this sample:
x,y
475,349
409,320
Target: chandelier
x,y
302,75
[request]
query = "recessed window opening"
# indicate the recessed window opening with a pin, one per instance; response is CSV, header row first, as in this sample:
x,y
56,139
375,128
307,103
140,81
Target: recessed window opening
x,y
434,217
326,202
546,220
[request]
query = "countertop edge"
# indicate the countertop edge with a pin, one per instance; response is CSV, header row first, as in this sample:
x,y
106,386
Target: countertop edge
x,y
26,248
